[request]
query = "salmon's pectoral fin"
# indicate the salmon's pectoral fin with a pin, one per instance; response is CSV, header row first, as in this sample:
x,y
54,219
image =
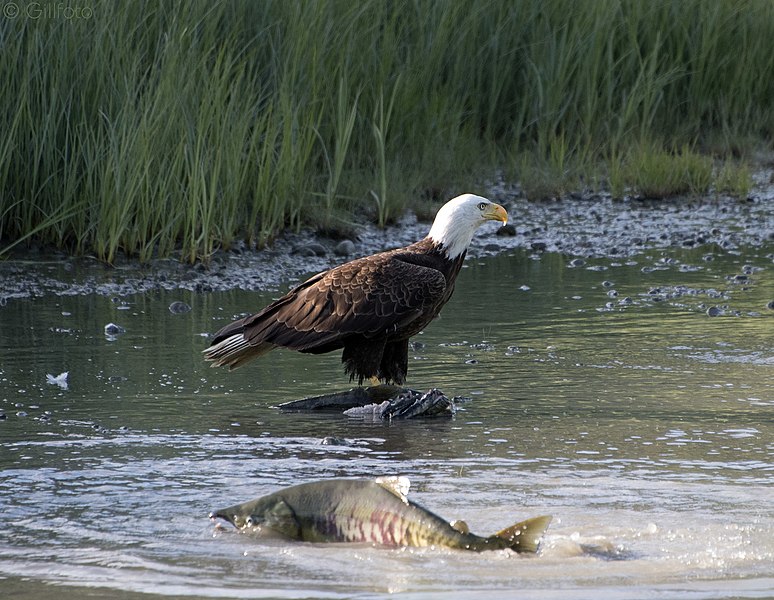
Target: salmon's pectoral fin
x,y
525,536
281,519
460,526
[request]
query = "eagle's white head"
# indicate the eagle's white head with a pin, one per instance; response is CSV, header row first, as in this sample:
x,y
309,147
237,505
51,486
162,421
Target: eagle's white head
x,y
458,219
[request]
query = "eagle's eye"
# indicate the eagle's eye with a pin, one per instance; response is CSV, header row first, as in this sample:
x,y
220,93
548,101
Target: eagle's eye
x,y
481,205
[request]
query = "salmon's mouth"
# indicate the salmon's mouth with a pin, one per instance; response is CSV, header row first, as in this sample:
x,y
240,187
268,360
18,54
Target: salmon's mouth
x,y
233,519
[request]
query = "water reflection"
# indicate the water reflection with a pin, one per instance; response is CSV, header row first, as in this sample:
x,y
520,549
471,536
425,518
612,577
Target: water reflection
x,y
640,421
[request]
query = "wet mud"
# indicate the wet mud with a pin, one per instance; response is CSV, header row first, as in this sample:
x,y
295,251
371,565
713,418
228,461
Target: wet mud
x,y
578,226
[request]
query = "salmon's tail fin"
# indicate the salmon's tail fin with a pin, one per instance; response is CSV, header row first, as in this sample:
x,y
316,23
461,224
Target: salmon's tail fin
x,y
525,536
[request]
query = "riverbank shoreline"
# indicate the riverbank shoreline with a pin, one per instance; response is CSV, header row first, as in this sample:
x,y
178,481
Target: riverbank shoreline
x,y
578,226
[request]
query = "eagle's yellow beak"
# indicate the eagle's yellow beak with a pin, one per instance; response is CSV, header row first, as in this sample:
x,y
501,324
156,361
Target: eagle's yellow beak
x,y
495,212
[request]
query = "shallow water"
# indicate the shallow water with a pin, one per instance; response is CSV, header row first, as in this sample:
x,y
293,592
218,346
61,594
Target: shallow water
x,y
601,393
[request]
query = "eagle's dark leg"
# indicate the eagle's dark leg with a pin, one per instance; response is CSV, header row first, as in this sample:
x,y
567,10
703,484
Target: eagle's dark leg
x,y
362,358
365,359
394,363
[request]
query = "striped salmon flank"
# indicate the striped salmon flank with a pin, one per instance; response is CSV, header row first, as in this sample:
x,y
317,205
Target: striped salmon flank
x,y
369,511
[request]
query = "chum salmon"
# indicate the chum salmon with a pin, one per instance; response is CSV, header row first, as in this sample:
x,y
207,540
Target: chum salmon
x,y
369,511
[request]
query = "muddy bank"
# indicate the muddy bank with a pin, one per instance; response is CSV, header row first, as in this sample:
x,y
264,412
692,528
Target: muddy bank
x,y
577,226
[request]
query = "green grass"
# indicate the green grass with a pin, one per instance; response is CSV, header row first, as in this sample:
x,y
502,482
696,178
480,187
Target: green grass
x,y
734,179
152,128
653,173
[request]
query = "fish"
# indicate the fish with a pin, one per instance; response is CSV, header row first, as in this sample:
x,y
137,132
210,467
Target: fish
x,y
374,511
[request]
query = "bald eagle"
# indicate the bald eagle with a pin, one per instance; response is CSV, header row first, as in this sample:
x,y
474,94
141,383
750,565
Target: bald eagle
x,y
369,307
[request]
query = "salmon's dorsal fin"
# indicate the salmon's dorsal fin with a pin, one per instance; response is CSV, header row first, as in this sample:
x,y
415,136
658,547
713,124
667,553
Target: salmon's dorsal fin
x,y
396,485
460,526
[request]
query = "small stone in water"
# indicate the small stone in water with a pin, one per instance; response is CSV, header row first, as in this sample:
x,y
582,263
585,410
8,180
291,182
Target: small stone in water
x,y
318,249
577,262
506,230
607,283
344,248
304,251
770,305
113,329
333,441
713,311
179,308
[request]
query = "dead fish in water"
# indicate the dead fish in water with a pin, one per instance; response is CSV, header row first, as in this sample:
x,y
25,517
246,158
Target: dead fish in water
x,y
369,511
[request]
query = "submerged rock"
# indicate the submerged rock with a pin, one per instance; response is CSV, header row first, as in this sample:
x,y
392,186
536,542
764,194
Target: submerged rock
x,y
334,441
113,329
179,308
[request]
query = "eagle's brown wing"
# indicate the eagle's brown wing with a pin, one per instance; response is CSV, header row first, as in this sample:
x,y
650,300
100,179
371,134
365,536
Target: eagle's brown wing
x,y
372,296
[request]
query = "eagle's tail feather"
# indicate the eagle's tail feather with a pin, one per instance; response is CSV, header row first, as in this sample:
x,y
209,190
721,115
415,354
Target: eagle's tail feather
x,y
234,351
